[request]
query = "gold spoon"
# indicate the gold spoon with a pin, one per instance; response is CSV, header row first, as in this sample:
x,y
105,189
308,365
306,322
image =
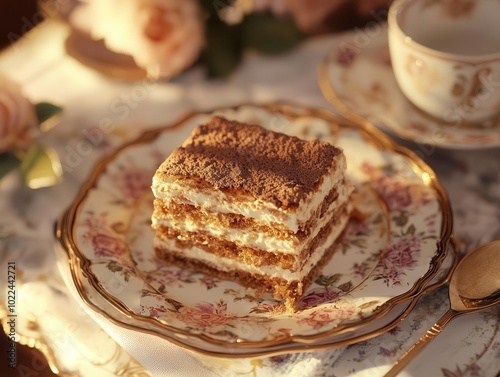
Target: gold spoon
x,y
474,286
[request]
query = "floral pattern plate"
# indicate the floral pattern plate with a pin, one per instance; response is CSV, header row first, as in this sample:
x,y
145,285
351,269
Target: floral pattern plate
x,y
212,354
381,261
357,78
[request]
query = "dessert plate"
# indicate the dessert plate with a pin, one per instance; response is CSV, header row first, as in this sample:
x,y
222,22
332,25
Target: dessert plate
x,y
357,79
385,258
201,348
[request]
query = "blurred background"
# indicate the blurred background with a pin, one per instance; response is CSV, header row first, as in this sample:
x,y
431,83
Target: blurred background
x,y
19,16
16,18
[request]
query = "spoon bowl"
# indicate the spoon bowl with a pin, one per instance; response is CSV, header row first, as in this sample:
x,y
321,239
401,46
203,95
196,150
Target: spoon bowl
x,y
475,283
474,286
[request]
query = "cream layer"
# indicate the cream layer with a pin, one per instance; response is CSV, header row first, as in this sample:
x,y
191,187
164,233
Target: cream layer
x,y
231,265
255,239
187,191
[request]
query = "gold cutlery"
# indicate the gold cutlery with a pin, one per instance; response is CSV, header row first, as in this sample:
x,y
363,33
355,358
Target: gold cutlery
x,y
474,286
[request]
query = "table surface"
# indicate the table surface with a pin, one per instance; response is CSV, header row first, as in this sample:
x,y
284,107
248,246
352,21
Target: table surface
x,y
40,63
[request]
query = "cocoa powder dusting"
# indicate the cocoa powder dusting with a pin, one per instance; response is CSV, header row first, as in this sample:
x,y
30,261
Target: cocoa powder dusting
x,y
272,166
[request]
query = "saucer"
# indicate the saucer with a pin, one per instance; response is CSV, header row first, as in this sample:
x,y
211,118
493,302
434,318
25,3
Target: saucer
x,y
357,79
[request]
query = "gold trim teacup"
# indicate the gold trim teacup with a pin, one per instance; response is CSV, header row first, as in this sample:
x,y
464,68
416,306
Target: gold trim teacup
x,y
446,56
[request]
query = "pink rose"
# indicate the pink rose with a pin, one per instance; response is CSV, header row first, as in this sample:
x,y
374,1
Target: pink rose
x,y
156,311
402,254
17,116
399,258
163,36
396,194
134,183
203,316
400,195
107,246
324,316
314,299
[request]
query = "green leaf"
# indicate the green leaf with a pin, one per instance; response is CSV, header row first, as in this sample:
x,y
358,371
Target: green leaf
x,y
270,34
327,280
45,110
411,230
41,167
47,115
346,287
114,266
126,275
401,219
8,162
176,304
223,52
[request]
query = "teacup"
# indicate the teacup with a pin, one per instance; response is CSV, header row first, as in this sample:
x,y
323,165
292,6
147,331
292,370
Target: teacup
x,y
446,56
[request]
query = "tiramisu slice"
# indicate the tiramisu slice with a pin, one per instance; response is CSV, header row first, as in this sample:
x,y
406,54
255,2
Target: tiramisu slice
x,y
251,205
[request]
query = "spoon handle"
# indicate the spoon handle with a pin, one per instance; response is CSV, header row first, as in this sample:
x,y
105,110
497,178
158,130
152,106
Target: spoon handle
x,y
420,344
